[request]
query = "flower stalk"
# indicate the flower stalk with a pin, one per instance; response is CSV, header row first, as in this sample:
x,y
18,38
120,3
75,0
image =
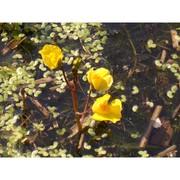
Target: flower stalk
x,y
86,105
74,98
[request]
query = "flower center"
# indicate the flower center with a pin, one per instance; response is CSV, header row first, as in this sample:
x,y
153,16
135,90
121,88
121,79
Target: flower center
x,y
105,107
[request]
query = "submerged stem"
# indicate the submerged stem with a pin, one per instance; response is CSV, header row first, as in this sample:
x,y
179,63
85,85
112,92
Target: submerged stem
x,y
134,52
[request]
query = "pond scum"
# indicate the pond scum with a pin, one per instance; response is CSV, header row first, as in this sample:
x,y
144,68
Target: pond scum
x,y
61,95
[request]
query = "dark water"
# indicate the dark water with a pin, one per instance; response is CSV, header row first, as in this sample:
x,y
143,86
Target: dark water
x,y
121,59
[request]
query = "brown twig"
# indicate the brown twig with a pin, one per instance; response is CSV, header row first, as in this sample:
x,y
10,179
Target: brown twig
x,y
147,133
167,151
163,56
176,111
44,80
12,45
53,88
41,108
81,139
175,42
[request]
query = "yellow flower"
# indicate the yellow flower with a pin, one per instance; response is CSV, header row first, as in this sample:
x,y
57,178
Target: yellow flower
x,y
51,55
104,111
100,79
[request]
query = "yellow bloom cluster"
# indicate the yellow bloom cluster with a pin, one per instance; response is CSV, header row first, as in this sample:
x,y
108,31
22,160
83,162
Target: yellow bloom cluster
x,y
104,111
52,56
101,79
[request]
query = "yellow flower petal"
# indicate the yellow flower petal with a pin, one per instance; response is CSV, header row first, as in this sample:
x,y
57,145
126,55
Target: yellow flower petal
x,y
101,105
100,79
105,112
52,56
89,75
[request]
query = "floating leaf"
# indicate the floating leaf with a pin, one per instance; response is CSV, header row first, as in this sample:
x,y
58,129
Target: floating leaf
x,y
91,132
100,151
46,74
169,94
135,135
104,135
158,63
150,104
88,39
86,146
92,123
1,98
123,98
17,56
4,39
45,154
39,127
84,78
19,71
143,153
61,131
150,44
174,56
174,88
104,39
21,35
55,144
36,94
42,85
93,94
62,153
52,34
99,47
135,108
173,69
135,90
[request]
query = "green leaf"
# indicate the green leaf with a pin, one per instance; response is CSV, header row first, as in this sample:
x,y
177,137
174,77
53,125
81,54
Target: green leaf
x,y
1,98
91,132
86,146
169,94
135,90
174,56
174,89
104,39
123,98
150,44
42,85
135,135
173,69
4,39
158,63
61,131
135,108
